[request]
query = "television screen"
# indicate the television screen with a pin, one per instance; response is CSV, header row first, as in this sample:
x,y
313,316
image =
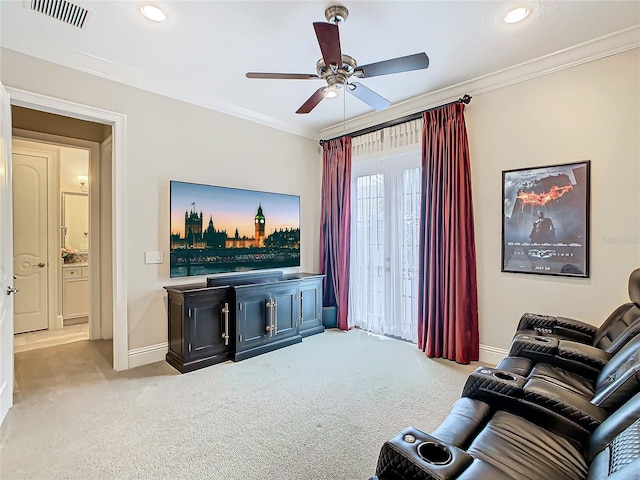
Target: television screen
x,y
220,229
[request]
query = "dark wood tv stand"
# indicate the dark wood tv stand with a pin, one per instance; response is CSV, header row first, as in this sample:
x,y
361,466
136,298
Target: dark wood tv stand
x,y
240,316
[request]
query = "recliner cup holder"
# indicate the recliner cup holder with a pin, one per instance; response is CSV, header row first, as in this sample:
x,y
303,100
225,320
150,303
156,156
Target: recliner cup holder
x,y
434,453
504,376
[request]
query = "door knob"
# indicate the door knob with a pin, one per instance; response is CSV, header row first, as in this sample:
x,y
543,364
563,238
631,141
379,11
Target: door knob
x,y
11,290
39,265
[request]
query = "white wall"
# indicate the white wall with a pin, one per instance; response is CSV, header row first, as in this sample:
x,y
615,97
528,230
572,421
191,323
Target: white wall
x,y
172,140
589,112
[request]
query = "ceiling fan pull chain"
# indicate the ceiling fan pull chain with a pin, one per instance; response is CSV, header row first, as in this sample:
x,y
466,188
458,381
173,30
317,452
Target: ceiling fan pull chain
x,y
344,110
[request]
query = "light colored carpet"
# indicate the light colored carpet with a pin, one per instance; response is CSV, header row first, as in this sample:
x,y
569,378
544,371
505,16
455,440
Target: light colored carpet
x,y
319,410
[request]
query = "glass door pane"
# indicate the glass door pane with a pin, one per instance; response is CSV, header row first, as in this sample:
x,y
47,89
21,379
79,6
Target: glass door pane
x,y
384,251
367,271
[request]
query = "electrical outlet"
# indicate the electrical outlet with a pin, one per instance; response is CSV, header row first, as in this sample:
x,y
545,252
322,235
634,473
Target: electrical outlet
x,y
152,257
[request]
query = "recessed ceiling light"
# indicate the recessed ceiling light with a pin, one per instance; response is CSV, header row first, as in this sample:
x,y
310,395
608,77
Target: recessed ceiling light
x,y
516,15
153,13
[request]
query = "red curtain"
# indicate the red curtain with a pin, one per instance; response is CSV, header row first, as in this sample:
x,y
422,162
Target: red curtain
x,y
447,296
335,226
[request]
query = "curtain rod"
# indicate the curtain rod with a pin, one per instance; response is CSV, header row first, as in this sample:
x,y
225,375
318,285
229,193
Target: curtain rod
x,y
466,99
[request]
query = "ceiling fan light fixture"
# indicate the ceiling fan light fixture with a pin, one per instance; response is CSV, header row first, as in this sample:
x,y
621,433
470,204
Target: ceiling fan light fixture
x,y
153,13
330,93
516,15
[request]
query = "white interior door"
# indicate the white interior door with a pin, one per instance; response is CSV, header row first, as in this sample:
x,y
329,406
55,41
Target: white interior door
x,y
30,240
6,259
384,247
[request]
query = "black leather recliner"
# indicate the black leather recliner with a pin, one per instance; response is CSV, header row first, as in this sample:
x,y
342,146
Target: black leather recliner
x,y
621,325
619,377
479,442
560,399
565,408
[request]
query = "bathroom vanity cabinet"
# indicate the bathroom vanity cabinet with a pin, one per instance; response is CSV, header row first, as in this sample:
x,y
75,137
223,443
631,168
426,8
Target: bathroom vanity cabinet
x,y
75,292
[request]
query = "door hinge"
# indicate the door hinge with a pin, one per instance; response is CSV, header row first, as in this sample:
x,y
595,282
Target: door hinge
x,y
240,338
240,306
189,313
189,346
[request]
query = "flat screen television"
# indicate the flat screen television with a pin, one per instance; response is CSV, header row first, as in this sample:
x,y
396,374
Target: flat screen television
x,y
218,229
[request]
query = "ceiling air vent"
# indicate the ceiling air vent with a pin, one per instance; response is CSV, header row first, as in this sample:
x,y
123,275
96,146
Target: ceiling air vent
x,y
62,10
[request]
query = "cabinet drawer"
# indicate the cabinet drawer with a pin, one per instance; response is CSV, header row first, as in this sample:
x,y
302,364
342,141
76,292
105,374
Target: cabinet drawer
x,y
84,271
73,272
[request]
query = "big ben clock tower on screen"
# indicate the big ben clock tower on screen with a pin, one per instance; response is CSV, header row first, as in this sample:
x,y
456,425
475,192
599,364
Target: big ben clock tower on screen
x,y
260,224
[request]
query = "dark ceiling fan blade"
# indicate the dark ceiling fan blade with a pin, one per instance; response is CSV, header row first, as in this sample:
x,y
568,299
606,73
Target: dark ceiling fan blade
x,y
416,61
329,40
283,76
314,100
368,96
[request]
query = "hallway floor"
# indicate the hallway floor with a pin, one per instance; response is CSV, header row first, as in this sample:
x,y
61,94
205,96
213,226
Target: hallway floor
x,y
23,342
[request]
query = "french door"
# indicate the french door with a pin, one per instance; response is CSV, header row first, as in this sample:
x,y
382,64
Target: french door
x,y
384,246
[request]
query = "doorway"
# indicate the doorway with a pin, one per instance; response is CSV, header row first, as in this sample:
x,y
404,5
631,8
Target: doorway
x,y
51,216
385,220
110,198
112,280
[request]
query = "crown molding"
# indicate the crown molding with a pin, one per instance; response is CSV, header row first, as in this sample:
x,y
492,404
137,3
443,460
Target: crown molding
x,y
252,116
115,72
602,47
586,52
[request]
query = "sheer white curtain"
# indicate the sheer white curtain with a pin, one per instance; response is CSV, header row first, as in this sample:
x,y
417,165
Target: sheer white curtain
x,y
384,240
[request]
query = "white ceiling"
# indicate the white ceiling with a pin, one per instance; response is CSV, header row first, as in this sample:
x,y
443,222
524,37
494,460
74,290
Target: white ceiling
x,y
203,50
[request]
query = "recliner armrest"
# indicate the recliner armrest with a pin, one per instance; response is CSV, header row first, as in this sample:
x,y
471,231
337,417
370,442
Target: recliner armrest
x,y
491,383
572,356
592,357
413,454
518,365
531,321
573,407
549,324
464,420
580,331
534,347
554,408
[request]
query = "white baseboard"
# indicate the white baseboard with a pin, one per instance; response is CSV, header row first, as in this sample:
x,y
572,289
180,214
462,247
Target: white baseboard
x,y
150,354
492,355
156,353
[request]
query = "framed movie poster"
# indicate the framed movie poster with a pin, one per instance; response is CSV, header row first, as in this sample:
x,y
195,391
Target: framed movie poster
x,y
545,220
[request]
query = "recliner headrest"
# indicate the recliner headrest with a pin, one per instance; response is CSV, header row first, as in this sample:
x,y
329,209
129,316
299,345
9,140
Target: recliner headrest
x,y
634,286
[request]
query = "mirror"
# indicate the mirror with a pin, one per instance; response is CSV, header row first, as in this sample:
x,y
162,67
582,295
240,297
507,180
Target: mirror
x,y
75,221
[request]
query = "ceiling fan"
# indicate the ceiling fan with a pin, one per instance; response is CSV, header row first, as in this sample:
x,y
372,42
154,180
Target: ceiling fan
x,y
337,68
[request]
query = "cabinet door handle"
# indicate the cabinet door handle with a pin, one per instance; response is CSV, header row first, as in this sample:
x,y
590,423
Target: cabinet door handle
x,y
225,313
275,314
269,305
301,311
